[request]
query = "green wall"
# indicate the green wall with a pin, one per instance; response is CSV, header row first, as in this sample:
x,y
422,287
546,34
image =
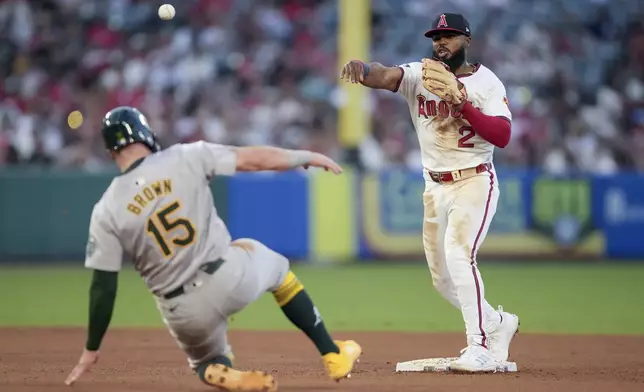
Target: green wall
x,y
45,213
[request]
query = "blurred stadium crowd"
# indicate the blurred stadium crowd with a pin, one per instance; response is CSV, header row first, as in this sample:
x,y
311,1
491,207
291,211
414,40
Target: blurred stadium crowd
x,y
266,71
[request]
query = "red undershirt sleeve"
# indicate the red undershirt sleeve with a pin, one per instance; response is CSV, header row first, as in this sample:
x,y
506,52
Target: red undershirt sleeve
x,y
494,129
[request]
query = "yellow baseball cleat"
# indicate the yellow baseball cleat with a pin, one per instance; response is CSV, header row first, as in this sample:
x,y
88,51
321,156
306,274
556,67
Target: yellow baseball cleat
x,y
232,380
339,366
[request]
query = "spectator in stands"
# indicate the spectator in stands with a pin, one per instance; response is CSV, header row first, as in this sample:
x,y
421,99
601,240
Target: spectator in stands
x,y
249,72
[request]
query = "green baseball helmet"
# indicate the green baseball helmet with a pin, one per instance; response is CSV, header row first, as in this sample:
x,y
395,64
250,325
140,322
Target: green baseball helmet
x,y
126,125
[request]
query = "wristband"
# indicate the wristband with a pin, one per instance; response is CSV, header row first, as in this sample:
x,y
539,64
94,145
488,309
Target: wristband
x,y
365,68
299,158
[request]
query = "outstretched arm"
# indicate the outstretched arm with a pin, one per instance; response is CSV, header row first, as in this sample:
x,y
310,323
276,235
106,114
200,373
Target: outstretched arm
x,y
104,257
373,75
260,158
101,306
222,160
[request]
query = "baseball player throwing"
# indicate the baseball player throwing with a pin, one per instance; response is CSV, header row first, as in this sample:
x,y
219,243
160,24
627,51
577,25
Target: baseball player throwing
x,y
159,212
460,113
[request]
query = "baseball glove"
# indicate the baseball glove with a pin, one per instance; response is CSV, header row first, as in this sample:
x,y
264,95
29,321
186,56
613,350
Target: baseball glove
x,y
439,80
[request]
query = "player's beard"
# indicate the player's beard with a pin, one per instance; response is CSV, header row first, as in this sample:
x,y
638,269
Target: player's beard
x,y
454,61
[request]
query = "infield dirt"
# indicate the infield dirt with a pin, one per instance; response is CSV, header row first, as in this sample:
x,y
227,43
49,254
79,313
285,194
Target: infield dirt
x,y
38,360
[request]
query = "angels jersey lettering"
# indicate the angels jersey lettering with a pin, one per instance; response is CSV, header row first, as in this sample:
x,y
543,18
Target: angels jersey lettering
x,y
447,141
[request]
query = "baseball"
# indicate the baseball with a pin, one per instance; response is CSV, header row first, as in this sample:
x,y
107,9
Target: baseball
x,y
75,119
166,11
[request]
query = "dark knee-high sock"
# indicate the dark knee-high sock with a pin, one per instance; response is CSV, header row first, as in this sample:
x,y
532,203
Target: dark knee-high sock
x,y
221,360
300,310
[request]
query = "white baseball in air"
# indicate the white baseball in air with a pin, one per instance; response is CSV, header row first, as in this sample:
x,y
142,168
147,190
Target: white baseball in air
x,y
166,11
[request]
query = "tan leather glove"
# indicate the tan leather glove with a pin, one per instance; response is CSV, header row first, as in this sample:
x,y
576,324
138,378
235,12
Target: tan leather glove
x,y
439,80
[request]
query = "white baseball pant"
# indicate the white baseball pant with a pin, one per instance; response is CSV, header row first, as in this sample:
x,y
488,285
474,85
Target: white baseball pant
x,y
456,220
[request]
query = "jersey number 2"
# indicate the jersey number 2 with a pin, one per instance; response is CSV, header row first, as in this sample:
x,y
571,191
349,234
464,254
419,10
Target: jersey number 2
x,y
161,225
467,133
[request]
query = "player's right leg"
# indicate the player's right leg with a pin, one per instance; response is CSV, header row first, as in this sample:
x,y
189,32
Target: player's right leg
x,y
434,227
269,271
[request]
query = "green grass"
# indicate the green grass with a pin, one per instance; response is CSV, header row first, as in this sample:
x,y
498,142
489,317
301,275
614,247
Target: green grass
x,y
555,298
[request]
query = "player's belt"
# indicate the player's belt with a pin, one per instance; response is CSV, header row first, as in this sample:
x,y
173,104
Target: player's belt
x,y
209,268
458,175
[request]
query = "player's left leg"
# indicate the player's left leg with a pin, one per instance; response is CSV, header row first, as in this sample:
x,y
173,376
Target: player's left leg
x,y
471,212
269,271
197,324
218,371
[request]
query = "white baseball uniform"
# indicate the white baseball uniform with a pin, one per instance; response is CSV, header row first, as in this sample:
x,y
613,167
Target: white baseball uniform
x,y
458,213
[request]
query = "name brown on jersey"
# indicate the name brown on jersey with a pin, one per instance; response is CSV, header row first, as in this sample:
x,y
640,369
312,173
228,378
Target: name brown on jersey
x,y
148,194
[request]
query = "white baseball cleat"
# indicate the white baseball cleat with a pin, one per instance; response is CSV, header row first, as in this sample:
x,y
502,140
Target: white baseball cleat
x,y
475,359
501,337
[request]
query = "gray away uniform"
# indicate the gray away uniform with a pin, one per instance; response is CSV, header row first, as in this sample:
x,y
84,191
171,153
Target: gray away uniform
x,y
161,214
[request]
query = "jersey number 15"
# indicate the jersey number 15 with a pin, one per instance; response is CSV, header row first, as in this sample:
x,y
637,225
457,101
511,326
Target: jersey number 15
x,y
162,227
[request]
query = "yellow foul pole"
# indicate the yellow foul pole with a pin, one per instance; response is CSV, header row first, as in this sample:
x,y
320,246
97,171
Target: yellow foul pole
x,y
354,36
333,234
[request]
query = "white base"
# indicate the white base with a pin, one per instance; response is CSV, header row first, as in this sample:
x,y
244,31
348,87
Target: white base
x,y
442,365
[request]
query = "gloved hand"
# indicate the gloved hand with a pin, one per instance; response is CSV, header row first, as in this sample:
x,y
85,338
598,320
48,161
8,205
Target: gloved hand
x,y
439,80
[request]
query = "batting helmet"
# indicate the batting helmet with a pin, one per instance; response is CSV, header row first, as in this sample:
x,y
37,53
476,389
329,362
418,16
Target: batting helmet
x,y
126,125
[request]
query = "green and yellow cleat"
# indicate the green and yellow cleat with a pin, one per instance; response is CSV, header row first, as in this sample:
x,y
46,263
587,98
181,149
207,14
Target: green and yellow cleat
x,y
232,380
339,366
